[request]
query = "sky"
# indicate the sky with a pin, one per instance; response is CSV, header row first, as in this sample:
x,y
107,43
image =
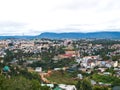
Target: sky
x,y
32,17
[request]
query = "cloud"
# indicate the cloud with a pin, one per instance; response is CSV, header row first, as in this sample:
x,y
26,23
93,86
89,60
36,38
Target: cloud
x,y
79,4
11,28
11,24
32,17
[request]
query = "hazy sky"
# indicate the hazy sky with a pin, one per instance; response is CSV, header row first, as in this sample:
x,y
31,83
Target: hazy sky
x,y
31,17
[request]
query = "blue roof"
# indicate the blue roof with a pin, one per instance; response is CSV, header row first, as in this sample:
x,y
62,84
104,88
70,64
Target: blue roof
x,y
6,68
57,88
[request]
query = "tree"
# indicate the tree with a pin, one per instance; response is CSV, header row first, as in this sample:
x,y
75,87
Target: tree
x,y
2,79
20,83
79,85
84,84
100,88
116,82
9,56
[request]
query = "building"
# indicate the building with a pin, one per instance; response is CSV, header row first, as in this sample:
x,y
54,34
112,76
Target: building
x,y
67,87
38,69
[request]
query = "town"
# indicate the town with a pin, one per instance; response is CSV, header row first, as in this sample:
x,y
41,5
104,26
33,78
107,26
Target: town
x,y
60,64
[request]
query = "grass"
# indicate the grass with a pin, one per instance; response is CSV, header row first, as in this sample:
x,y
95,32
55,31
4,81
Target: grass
x,y
104,78
62,78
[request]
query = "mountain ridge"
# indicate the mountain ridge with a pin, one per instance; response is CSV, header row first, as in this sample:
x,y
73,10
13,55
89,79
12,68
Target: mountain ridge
x,y
70,35
109,35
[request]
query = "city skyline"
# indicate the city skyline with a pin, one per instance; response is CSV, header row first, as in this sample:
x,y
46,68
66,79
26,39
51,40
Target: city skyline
x,y
32,17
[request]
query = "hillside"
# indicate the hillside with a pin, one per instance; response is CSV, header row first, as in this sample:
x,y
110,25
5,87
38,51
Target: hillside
x,y
71,35
108,35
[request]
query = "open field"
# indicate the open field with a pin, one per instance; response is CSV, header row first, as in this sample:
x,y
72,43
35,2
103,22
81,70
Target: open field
x,y
61,77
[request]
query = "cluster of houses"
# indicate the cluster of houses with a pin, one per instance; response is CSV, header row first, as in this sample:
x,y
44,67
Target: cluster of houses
x,y
93,61
61,87
89,63
86,63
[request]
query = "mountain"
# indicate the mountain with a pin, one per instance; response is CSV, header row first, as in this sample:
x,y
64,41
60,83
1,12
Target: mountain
x,y
17,37
107,35
71,35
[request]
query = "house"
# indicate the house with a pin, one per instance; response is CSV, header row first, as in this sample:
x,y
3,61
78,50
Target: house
x,y
80,76
49,85
108,65
82,69
106,73
1,61
6,69
93,82
55,58
57,88
30,69
62,56
57,69
118,74
115,64
38,69
67,87
92,64
78,60
102,69
70,52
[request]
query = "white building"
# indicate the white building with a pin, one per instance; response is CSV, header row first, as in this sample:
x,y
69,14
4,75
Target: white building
x,y
67,87
38,69
80,76
115,64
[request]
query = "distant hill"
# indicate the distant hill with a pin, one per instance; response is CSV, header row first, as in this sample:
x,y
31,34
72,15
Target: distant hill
x,y
17,37
107,35
71,35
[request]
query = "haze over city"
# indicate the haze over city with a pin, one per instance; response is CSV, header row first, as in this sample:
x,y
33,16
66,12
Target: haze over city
x,y
32,17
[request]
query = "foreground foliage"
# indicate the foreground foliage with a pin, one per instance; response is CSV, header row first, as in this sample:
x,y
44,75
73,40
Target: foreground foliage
x,y
20,83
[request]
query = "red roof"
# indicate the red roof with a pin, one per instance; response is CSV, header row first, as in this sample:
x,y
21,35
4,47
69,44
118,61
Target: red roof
x,y
69,55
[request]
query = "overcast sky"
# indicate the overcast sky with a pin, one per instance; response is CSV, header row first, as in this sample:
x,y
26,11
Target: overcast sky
x,y
32,17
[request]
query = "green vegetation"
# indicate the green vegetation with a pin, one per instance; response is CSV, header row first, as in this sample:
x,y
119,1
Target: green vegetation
x,y
105,42
19,79
84,84
9,56
62,77
116,58
20,83
104,78
51,64
100,88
